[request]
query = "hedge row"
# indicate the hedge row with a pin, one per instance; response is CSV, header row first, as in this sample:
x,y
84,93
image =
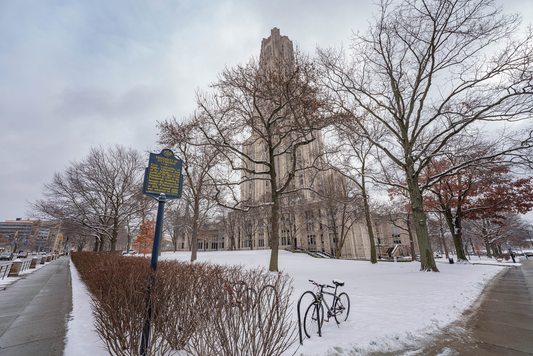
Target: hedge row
x,y
197,308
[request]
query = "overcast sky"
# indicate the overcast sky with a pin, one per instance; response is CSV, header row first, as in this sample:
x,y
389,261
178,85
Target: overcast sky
x,y
77,74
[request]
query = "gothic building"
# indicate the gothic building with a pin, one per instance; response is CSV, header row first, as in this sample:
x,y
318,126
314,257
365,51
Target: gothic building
x,y
313,217
315,212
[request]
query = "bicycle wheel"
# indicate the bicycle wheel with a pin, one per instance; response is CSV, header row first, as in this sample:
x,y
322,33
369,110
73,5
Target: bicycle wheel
x,y
313,316
342,308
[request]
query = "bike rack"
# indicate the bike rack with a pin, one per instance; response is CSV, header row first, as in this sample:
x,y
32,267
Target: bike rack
x,y
300,318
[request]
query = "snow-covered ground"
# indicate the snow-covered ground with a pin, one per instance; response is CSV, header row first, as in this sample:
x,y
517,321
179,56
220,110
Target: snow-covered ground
x,y
392,304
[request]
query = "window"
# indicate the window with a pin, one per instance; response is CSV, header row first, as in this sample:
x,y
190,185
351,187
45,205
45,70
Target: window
x,y
200,245
283,240
261,243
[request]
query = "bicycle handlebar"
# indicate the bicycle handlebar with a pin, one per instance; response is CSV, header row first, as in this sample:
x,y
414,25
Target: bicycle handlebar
x,y
321,285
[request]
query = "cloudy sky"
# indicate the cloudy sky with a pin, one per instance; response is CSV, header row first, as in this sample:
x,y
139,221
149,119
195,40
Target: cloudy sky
x,y
76,74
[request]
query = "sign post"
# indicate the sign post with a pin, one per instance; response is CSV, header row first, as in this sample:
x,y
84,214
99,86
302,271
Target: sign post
x,y
163,181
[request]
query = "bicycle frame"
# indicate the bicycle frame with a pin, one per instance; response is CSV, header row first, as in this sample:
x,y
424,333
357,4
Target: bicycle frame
x,y
320,298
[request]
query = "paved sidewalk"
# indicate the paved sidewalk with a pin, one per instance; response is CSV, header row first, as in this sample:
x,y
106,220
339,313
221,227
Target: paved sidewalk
x,y
34,312
501,322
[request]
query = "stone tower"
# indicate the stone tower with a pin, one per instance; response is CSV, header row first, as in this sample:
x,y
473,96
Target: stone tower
x,y
275,46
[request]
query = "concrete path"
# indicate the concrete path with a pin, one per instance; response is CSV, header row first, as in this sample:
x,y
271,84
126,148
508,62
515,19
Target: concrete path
x,y
501,322
34,312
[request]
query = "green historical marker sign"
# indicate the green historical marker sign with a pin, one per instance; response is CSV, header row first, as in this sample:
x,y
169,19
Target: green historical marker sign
x,y
163,175
163,181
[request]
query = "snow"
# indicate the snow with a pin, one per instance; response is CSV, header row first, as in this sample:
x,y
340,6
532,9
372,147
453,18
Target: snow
x,y
81,339
392,304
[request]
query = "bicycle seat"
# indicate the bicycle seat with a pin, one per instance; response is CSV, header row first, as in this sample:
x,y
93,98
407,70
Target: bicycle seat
x,y
338,283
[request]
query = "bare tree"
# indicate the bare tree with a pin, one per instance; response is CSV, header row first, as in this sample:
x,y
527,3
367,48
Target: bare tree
x,y
17,241
249,228
508,229
96,193
427,72
199,162
398,213
352,155
341,208
231,220
292,206
79,240
177,223
4,239
259,115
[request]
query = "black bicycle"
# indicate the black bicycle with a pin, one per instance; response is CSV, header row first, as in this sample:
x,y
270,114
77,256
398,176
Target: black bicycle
x,y
339,309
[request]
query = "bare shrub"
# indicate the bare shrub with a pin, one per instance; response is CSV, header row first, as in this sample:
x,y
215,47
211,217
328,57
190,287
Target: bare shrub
x,y
118,299
178,288
198,308
255,320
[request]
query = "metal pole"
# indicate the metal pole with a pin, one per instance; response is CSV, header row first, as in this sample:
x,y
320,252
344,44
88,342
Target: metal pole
x,y
153,266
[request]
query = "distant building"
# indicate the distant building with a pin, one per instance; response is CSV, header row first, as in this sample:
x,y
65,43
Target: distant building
x,y
31,235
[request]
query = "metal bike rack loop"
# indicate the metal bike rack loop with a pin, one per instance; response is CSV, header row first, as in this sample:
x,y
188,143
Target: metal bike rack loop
x,y
316,302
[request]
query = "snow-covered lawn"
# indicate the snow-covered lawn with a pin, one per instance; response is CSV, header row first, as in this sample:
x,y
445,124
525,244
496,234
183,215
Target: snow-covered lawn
x,y
392,304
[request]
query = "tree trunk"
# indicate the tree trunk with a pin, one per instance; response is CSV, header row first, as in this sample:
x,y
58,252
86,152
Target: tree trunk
x,y
373,258
275,232
486,240
487,246
457,241
274,221
427,261
459,234
443,241
290,233
251,241
194,242
101,245
411,237
114,235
